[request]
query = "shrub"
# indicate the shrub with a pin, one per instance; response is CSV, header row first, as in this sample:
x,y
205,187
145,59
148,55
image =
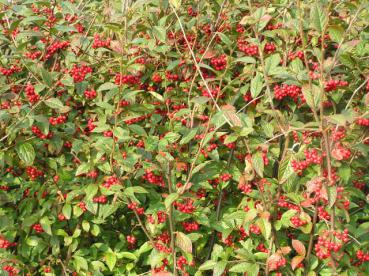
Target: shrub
x,y
184,138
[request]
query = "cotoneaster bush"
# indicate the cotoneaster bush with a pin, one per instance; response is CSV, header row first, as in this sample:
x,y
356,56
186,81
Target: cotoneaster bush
x,y
184,137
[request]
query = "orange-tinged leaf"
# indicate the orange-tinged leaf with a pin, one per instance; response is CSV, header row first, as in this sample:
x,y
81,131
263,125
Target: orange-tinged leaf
x,y
272,261
285,250
296,261
160,273
299,247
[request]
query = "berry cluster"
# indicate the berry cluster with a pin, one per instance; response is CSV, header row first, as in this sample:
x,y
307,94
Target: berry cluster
x,y
281,263
190,226
330,241
363,122
270,48
137,119
82,205
162,217
34,173
79,72
339,134
248,49
362,257
53,48
61,217
100,199
297,222
219,63
31,94
255,229
126,79
6,244
298,54
38,228
150,177
323,214
156,78
340,152
225,177
58,120
261,247
110,181
13,69
185,207
134,206
11,270
171,77
181,262
332,85
131,239
286,90
98,42
37,131
90,94
311,157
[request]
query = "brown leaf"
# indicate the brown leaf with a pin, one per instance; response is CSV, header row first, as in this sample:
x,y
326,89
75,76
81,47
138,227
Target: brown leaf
x,y
230,112
181,166
272,261
185,188
299,247
116,46
296,261
210,54
249,172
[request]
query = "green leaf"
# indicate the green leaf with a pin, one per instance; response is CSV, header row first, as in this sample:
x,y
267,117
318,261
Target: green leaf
x,y
138,130
55,103
91,190
67,211
80,263
265,227
46,76
336,33
308,95
110,259
258,164
219,268
256,85
189,136
26,153
33,241
85,225
208,265
46,225
83,168
184,242
245,60
271,64
332,195
225,39
318,18
170,199
251,269
285,170
160,33
107,86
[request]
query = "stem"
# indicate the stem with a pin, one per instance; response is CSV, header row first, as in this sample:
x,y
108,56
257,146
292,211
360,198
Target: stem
x,y
219,207
172,224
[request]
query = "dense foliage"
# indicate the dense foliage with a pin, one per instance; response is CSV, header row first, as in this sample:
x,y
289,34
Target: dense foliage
x,y
184,137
